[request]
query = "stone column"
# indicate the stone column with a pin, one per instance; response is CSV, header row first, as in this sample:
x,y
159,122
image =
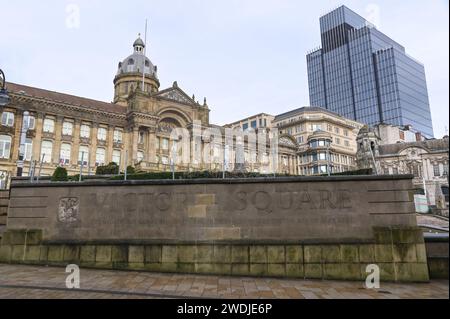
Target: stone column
x,y
57,142
127,138
151,146
37,140
93,148
134,146
110,144
76,143
18,117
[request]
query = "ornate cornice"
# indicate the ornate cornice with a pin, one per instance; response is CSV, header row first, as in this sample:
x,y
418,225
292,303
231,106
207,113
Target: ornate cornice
x,y
25,102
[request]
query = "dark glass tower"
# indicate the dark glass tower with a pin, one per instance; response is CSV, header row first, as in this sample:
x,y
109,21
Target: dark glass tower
x,y
362,74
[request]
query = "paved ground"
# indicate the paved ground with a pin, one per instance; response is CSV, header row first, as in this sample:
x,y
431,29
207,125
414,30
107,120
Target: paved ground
x,y
48,282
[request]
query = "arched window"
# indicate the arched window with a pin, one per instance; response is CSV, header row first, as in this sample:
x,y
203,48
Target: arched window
x,y
130,62
46,151
5,146
64,157
147,64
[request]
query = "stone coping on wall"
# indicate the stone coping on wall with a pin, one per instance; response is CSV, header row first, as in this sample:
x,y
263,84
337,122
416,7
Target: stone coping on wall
x,y
17,183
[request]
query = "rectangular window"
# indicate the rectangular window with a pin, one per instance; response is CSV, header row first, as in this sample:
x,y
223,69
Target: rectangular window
x,y
117,136
67,128
345,132
253,124
46,151
31,122
100,157
141,137
85,131
49,125
245,127
165,144
347,143
116,157
64,157
101,134
337,140
8,119
436,170
83,155
28,149
5,146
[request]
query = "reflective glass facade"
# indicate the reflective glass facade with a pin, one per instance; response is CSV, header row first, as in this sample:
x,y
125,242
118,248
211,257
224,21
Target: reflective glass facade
x,y
362,74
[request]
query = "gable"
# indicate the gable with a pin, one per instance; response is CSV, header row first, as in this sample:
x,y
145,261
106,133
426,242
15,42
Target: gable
x,y
177,95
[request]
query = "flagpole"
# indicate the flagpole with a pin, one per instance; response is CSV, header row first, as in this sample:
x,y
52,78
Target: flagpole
x,y
145,49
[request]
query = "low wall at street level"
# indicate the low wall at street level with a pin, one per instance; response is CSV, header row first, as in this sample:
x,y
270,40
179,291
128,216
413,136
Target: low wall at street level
x,y
301,227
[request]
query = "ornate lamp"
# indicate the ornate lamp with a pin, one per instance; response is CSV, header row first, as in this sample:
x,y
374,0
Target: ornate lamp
x,y
4,97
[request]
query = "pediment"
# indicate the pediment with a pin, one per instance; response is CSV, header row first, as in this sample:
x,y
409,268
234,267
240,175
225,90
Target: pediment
x,y
177,95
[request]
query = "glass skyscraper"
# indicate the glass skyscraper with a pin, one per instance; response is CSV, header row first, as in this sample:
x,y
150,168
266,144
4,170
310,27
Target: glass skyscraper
x,y
362,74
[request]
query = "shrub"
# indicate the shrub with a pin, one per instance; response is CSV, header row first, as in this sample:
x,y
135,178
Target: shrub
x,y
131,170
60,175
110,169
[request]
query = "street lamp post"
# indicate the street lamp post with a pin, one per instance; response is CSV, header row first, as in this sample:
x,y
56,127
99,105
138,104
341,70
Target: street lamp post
x,y
23,137
4,97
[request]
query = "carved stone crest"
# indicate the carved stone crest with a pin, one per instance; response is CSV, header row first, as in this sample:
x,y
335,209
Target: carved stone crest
x,y
68,210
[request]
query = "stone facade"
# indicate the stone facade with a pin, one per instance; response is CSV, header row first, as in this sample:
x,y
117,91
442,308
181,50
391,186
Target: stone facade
x,y
137,124
335,148
427,160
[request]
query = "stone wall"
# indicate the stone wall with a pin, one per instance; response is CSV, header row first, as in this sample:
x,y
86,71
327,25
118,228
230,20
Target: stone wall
x,y
320,227
437,254
4,203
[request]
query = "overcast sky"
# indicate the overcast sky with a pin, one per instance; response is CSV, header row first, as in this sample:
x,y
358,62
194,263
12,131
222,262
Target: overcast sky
x,y
245,56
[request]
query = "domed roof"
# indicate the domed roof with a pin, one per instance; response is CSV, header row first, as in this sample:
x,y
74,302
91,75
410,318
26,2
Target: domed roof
x,y
137,61
139,42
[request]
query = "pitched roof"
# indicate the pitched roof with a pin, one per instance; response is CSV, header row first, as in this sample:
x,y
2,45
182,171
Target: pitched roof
x,y
19,89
